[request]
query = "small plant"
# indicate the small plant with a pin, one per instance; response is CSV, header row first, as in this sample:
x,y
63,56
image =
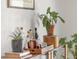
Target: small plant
x,y
17,34
50,18
17,40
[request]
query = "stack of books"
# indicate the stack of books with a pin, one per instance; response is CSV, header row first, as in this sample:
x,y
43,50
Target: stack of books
x,y
18,55
47,49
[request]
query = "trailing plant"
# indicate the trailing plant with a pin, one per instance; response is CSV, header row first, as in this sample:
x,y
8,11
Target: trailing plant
x,y
50,18
72,44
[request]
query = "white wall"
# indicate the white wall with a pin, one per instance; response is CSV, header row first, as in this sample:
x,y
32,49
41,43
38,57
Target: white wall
x,y
10,19
68,10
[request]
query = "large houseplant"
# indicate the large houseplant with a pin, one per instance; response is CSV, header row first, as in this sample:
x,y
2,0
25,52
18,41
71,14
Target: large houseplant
x,y
17,40
49,19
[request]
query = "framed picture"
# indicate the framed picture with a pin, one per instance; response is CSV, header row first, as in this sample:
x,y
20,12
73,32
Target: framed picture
x,y
24,4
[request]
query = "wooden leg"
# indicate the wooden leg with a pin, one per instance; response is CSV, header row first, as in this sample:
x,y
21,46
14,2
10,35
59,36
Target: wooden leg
x,y
50,55
66,49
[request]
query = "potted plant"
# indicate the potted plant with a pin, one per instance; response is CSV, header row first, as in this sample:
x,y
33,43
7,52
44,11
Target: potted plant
x,y
71,45
17,40
49,19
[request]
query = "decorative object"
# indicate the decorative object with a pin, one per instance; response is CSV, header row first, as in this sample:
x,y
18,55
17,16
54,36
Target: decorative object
x,y
29,38
34,47
71,45
49,19
36,34
30,34
23,4
17,40
32,44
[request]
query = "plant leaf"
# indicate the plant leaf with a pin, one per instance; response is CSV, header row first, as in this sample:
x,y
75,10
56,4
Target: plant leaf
x,y
45,19
54,19
70,44
61,19
62,41
74,38
47,25
48,10
54,16
16,35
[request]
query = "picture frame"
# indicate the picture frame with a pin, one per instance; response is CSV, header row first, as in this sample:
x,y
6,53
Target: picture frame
x,y
21,4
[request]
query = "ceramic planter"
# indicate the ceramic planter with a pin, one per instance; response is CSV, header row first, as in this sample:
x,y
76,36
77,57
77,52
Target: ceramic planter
x,y
17,45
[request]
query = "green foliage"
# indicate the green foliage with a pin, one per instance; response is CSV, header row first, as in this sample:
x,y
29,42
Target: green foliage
x,y
48,10
61,19
50,18
62,41
70,43
74,37
16,35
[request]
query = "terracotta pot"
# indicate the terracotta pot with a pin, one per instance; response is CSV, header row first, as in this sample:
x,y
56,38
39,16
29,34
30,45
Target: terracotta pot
x,y
51,40
51,30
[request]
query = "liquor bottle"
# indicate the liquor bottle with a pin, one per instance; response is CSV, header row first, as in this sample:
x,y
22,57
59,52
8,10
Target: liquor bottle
x,y
36,35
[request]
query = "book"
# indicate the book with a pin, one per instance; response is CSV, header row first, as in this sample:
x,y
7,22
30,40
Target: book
x,y
17,54
24,57
47,49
